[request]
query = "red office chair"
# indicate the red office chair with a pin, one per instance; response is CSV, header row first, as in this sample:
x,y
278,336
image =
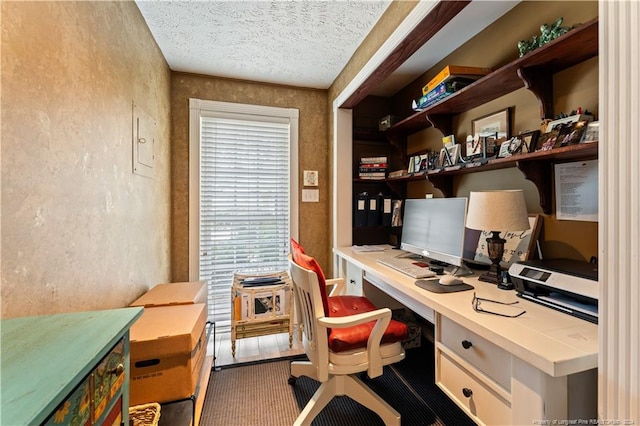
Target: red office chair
x,y
342,336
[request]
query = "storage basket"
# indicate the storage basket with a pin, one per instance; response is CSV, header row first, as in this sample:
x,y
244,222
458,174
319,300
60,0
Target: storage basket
x,y
144,414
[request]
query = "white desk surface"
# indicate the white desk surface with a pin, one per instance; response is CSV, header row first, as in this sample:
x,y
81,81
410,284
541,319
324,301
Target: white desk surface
x,y
554,342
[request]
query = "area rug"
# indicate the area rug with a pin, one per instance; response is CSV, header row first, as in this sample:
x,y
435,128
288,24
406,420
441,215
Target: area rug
x,y
259,395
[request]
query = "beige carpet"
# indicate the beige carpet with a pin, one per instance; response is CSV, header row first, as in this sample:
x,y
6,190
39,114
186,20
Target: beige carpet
x,y
248,400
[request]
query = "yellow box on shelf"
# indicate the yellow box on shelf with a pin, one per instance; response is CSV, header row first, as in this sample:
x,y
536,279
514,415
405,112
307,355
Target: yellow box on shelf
x,y
451,71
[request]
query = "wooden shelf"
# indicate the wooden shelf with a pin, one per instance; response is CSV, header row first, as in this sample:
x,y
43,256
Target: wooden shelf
x,y
533,71
536,167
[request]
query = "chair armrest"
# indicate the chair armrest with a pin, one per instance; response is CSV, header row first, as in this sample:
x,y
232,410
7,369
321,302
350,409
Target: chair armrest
x,y
339,286
382,317
357,319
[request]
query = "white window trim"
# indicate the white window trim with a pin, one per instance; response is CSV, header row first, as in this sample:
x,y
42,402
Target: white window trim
x,y
198,107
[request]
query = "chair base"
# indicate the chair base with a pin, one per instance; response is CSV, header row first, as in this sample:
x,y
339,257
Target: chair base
x,y
347,385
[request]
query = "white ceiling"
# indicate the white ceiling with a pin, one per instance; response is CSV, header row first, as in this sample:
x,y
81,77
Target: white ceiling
x,y
302,43
299,43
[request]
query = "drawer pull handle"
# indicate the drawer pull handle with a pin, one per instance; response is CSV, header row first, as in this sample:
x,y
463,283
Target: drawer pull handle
x,y
466,344
352,281
467,392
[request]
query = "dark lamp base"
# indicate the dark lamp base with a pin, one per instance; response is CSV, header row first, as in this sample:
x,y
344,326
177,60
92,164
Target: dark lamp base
x,y
491,276
495,247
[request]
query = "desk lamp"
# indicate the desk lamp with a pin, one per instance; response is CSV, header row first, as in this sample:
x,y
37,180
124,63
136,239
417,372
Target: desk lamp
x,y
497,211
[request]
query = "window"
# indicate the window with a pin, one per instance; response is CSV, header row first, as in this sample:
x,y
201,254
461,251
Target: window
x,y
243,194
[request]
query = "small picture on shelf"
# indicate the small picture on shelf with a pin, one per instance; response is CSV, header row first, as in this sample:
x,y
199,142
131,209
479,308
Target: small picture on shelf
x,y
547,140
505,148
529,141
474,146
570,133
488,141
412,165
448,141
424,162
592,132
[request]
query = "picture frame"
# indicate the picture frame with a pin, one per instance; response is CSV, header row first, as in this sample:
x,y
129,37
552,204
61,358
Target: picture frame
x,y
592,133
424,162
505,148
497,122
488,141
448,140
473,147
570,134
547,140
529,141
520,245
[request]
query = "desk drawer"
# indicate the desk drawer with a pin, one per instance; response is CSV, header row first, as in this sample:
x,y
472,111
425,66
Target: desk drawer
x,y
484,404
482,354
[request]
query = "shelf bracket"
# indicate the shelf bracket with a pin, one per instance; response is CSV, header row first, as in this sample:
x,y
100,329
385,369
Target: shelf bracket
x,y
444,183
399,143
442,122
540,173
539,81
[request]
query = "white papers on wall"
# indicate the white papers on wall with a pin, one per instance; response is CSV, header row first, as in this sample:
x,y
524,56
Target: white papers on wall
x,y
576,186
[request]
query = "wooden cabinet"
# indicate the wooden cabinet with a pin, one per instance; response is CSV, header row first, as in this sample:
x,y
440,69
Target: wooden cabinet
x,y
68,368
534,71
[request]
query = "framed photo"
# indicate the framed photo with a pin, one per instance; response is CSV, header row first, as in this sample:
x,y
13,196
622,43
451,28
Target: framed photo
x,y
520,245
505,148
424,163
449,140
547,140
571,133
529,140
489,142
497,122
592,133
473,146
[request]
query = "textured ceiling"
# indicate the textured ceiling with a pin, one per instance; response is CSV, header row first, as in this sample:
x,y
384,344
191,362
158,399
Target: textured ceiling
x,y
301,43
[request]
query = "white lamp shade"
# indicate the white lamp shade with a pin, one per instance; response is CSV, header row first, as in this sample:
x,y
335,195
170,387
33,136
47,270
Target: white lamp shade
x,y
503,210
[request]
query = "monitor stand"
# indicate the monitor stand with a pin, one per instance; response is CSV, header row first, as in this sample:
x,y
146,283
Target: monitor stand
x,y
458,271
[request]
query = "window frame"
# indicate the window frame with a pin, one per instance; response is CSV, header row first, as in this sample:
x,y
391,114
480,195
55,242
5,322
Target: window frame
x,y
198,108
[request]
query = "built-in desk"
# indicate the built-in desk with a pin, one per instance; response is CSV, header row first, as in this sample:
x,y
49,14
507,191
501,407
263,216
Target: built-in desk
x,y
539,366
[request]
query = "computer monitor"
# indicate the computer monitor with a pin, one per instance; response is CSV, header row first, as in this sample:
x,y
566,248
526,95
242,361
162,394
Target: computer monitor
x,y
434,228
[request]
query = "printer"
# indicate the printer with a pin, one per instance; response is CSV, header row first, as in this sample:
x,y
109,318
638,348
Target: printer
x,y
569,286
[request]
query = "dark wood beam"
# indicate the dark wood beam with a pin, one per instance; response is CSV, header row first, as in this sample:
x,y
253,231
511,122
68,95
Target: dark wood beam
x,y
439,16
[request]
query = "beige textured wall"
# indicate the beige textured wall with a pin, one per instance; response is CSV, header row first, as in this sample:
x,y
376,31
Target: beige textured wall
x,y
79,230
313,154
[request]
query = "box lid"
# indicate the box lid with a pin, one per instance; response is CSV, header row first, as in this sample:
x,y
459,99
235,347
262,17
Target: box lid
x,y
164,331
173,294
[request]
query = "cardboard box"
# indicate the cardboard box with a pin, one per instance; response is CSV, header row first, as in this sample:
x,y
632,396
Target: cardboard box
x,y
167,351
174,294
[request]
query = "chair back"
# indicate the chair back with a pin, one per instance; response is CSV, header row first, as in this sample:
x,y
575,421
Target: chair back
x,y
306,289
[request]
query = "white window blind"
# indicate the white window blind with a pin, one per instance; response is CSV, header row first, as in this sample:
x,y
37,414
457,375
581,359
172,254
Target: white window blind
x,y
245,201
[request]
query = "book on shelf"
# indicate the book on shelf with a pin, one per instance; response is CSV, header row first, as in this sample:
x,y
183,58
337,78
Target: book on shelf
x,y
398,173
421,104
371,169
441,91
373,160
372,177
455,71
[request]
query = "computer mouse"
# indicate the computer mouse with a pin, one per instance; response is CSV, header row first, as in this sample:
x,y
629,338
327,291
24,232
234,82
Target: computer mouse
x,y
450,280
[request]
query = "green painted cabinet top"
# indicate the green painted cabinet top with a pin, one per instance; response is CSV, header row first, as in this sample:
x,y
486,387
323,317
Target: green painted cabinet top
x,y
43,358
